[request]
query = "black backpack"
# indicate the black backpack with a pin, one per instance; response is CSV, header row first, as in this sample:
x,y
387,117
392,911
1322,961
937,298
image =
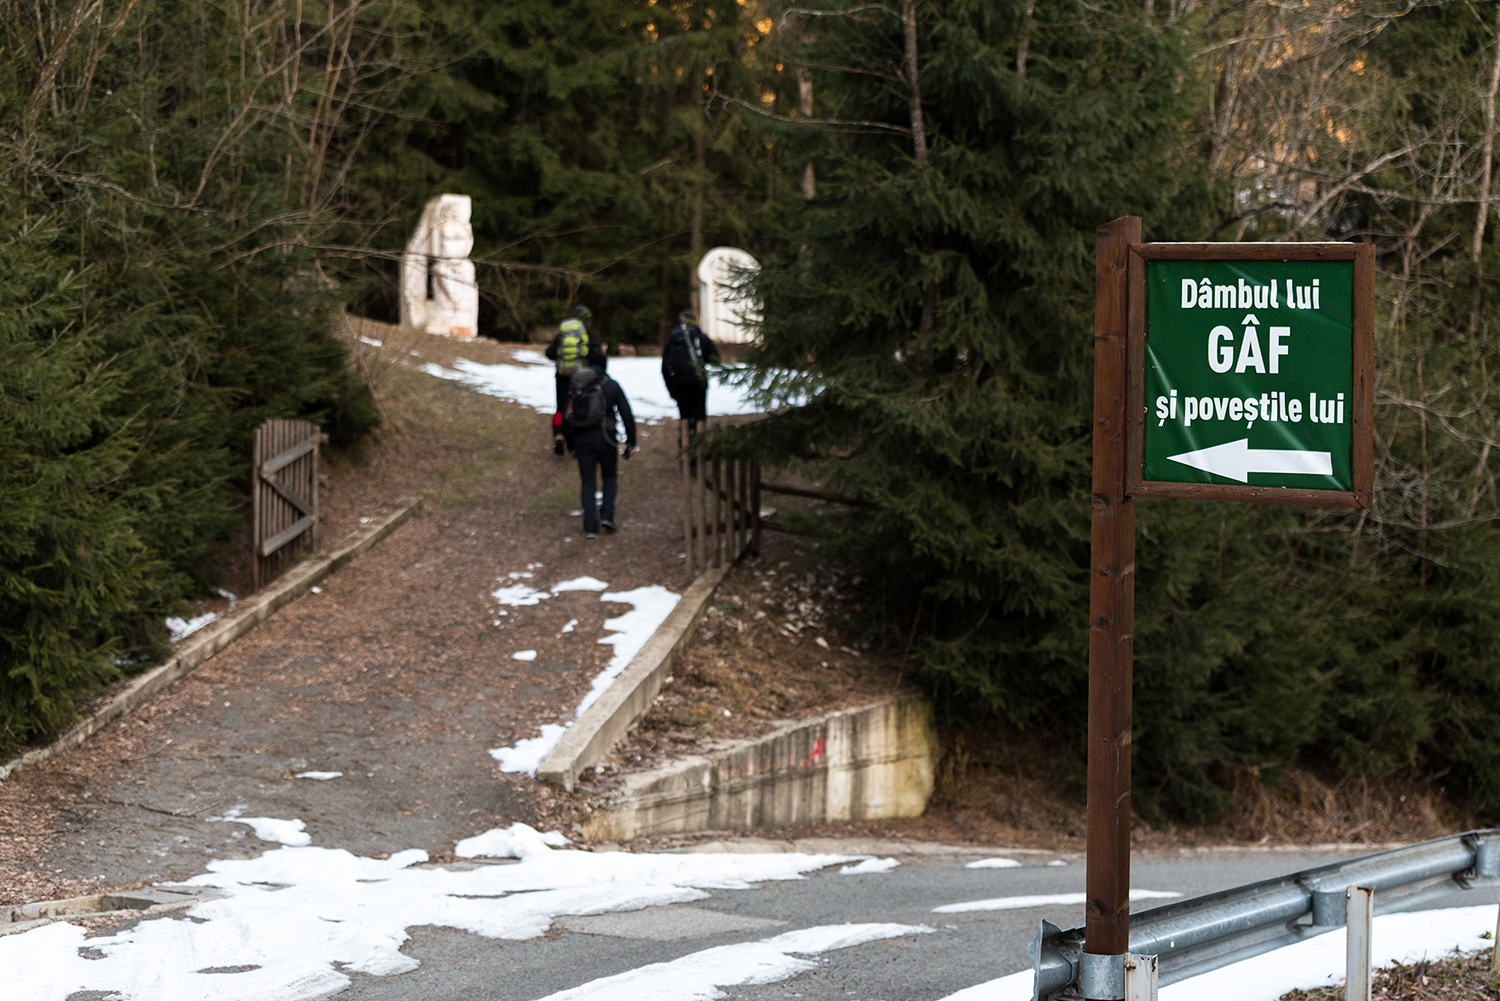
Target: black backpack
x,y
681,358
587,406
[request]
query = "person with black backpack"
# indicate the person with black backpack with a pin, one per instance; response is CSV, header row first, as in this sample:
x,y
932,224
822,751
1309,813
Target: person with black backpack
x,y
594,403
684,368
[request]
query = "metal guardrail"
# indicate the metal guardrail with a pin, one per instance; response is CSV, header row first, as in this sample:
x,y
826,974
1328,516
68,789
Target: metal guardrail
x,y
1194,936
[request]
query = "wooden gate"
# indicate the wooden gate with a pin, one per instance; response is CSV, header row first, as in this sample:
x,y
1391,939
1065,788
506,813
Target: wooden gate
x,y
283,496
720,505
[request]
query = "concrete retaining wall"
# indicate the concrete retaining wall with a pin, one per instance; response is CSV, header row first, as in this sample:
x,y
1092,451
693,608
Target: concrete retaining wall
x,y
865,763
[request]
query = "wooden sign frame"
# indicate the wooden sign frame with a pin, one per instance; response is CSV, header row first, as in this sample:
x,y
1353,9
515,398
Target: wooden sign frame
x,y
1362,403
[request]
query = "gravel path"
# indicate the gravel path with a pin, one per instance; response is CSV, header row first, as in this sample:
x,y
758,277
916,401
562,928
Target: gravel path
x,y
395,674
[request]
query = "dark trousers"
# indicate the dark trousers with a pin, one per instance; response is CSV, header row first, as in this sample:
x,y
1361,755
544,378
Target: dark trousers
x,y
607,460
692,401
564,387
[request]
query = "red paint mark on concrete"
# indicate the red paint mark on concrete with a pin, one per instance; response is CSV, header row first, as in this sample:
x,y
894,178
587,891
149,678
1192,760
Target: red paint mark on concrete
x,y
817,752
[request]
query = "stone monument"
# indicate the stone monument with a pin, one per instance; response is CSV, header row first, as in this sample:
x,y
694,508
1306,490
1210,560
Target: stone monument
x,y
727,312
439,293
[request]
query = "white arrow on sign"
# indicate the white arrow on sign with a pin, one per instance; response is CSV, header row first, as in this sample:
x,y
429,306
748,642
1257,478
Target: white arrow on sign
x,y
1236,460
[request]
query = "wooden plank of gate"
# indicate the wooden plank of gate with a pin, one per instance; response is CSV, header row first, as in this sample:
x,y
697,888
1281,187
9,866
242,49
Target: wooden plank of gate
x,y
255,533
687,498
291,455
280,539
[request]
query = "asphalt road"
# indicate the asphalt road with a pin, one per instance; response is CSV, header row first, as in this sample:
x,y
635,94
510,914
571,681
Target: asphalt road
x,y
965,949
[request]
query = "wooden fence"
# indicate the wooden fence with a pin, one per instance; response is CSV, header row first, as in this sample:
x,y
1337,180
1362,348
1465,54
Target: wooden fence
x,y
283,496
720,506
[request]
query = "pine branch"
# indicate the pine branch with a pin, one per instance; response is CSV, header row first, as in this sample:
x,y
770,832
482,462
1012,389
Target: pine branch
x,y
831,124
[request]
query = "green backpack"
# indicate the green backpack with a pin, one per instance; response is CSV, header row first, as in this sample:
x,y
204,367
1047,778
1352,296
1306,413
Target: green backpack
x,y
574,348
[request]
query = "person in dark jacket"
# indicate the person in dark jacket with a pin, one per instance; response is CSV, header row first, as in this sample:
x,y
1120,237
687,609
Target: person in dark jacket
x,y
684,368
591,432
575,346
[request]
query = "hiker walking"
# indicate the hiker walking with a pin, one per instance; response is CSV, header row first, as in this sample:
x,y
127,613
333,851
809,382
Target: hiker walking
x,y
574,347
589,427
684,361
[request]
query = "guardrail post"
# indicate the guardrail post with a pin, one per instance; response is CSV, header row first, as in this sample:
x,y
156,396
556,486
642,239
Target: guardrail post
x,y
1140,978
1358,982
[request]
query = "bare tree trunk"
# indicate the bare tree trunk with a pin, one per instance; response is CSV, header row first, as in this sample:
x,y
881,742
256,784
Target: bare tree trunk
x,y
919,145
1482,215
805,107
696,252
914,82
1024,42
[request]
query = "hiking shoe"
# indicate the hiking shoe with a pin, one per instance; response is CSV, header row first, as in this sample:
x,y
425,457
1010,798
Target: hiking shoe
x,y
559,446
608,526
591,535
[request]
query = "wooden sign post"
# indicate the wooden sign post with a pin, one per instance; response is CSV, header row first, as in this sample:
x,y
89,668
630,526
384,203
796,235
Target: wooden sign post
x,y
1258,386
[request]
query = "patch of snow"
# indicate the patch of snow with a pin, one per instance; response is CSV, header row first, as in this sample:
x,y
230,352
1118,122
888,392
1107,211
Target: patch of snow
x,y
319,776
699,975
1015,987
523,655
530,380
1040,900
526,755
1057,861
994,863
233,598
580,584
1316,962
575,514
516,841
371,341
303,920
518,574
627,634
569,627
183,628
869,865
518,595
317,590
288,832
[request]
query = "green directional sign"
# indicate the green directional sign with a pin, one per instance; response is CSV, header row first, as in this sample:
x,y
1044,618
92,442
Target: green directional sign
x,y
1248,373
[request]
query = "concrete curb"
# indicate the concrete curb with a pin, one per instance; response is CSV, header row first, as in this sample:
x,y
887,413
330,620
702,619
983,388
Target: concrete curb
x,y
218,635
152,900
602,724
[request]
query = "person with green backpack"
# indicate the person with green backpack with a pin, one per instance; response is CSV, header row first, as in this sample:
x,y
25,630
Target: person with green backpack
x,y
575,347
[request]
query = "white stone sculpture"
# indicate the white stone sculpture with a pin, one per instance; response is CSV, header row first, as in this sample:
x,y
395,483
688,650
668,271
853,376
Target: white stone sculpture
x,y
439,293
727,311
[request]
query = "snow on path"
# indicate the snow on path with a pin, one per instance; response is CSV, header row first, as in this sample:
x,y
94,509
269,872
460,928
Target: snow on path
x,y
994,863
698,975
1039,900
1317,962
650,607
287,832
530,380
301,919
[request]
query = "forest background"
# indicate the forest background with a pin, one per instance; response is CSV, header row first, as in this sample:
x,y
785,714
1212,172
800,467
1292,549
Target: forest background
x,y
193,190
